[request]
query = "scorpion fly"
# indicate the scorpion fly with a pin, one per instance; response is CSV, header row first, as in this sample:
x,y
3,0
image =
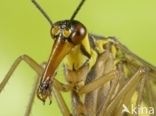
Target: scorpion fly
x,y
103,76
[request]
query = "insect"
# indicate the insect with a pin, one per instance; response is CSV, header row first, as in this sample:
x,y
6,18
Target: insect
x,y
102,74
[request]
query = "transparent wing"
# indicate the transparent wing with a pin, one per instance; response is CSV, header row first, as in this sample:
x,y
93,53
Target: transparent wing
x,y
135,85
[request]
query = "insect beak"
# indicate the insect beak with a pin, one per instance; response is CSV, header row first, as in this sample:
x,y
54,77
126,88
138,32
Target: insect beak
x,y
60,49
43,94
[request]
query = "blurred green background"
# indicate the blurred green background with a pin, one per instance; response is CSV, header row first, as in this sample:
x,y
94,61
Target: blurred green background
x,y
23,30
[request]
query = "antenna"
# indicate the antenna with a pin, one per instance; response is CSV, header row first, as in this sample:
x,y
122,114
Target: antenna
x,y
77,10
42,12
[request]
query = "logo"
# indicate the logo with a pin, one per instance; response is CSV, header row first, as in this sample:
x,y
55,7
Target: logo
x,y
137,109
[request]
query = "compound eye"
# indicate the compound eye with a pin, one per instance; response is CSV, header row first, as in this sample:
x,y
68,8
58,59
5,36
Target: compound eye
x,y
66,32
55,31
78,35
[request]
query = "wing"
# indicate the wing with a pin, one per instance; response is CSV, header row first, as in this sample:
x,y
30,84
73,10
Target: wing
x,y
135,85
132,63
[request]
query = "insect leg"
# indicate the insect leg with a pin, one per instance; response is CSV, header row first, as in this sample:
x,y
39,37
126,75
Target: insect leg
x,y
36,67
32,97
28,60
102,108
62,87
132,83
124,101
61,103
112,91
77,106
127,99
33,93
130,94
97,83
106,91
92,86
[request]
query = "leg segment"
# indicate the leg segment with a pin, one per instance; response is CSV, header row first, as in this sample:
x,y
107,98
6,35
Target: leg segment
x,y
130,84
36,67
102,108
61,103
32,97
97,83
77,106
